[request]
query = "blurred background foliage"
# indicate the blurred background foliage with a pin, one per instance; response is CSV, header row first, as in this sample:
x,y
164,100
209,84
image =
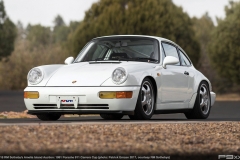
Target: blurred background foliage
x,y
137,17
224,49
7,33
214,49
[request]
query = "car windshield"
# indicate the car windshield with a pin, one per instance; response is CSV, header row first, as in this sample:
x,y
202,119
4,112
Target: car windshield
x,y
120,49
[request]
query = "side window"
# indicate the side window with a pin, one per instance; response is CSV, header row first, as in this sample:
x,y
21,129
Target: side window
x,y
184,59
171,50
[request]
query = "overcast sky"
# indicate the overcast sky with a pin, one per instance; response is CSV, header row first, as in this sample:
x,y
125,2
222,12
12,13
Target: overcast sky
x,y
44,11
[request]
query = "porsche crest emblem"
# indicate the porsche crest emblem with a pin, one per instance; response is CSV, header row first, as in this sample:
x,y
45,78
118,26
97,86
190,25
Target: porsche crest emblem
x,y
74,81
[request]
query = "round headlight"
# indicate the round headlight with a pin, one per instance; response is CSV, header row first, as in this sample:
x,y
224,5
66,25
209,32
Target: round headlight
x,y
35,76
119,75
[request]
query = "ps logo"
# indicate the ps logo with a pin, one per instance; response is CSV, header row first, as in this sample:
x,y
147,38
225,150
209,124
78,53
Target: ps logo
x,y
225,157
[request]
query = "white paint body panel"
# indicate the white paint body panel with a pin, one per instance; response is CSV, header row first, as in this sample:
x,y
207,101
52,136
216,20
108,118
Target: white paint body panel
x,y
85,95
175,90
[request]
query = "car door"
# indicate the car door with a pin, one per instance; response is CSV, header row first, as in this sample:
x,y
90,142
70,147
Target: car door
x,y
188,68
174,79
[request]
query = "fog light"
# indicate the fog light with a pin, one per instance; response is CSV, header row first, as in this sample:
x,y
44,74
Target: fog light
x,y
31,95
113,94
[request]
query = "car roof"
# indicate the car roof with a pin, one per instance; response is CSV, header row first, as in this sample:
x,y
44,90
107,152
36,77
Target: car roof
x,y
145,36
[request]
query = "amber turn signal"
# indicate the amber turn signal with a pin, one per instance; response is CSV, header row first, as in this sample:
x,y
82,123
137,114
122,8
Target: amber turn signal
x,y
31,95
113,94
126,94
107,95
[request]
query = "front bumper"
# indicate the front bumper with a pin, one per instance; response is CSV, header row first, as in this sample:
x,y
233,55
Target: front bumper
x,y
213,98
88,100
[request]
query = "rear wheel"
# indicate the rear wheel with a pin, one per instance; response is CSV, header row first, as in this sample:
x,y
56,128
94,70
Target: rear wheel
x,y
145,103
202,106
49,117
112,116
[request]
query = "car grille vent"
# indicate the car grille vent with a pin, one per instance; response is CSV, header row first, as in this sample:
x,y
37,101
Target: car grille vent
x,y
45,107
71,106
92,107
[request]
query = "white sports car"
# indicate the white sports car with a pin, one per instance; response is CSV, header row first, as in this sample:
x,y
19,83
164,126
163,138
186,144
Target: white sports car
x,y
122,75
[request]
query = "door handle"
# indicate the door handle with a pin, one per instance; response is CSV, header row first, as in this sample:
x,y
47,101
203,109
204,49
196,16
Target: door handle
x,y
186,73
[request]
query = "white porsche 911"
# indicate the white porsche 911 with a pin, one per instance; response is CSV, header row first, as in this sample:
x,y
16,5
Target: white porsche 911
x,y
115,76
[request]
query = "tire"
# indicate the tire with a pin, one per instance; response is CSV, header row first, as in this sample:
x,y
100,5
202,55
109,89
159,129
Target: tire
x,y
112,116
49,117
202,106
145,103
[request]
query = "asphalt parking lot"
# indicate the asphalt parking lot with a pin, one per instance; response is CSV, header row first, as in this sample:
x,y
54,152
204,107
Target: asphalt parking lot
x,y
221,111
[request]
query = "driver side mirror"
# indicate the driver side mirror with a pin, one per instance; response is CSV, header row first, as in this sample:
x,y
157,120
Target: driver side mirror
x,y
69,60
169,60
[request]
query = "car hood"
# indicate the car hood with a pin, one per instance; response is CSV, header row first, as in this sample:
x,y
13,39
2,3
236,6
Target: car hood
x,y
82,74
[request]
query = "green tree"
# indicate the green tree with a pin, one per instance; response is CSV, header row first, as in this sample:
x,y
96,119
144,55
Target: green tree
x,y
60,34
58,21
203,28
61,31
138,17
73,25
39,35
7,33
224,48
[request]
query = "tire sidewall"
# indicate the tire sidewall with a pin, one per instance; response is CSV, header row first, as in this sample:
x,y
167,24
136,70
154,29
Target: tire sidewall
x,y
139,107
198,100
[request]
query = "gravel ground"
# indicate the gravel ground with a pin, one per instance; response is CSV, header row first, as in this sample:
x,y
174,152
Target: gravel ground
x,y
11,114
175,139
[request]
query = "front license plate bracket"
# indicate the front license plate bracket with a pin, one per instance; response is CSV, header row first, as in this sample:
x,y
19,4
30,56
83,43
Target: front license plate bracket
x,y
67,100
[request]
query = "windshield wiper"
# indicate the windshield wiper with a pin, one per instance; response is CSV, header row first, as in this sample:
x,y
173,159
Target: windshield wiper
x,y
137,59
149,59
97,59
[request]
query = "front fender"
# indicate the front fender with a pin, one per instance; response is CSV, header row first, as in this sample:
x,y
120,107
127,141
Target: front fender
x,y
48,71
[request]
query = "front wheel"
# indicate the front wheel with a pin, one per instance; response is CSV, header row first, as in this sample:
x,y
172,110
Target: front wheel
x,y
202,106
146,101
49,117
111,116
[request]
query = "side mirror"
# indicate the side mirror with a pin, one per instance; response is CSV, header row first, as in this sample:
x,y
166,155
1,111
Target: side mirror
x,y
170,60
69,60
